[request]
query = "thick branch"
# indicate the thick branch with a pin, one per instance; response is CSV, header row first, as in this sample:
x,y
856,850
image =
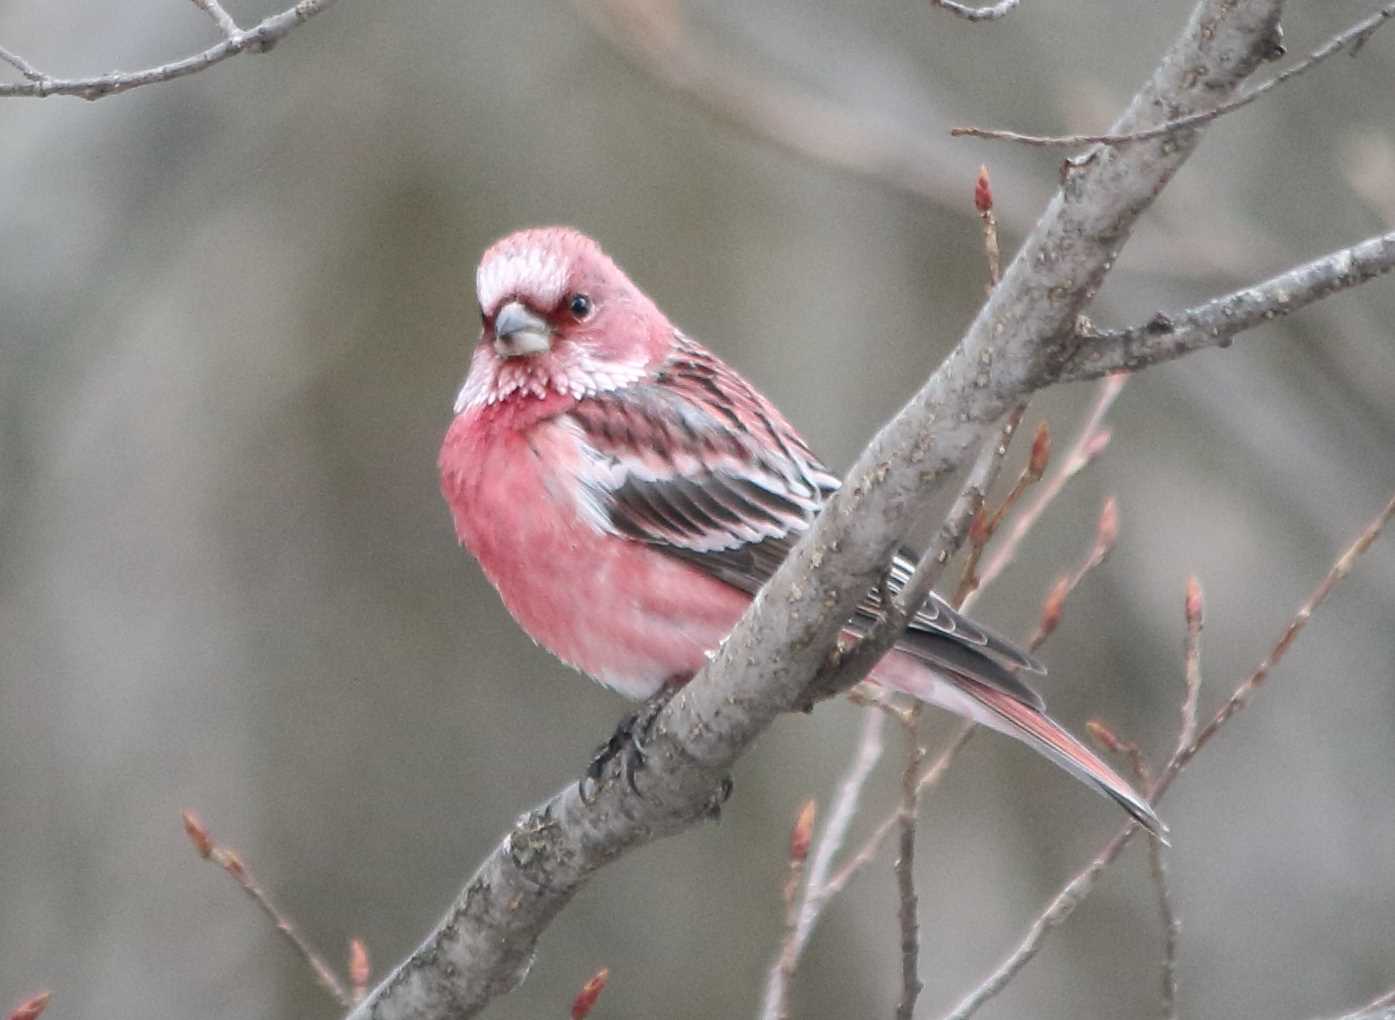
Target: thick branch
x,y
1165,337
1018,343
259,38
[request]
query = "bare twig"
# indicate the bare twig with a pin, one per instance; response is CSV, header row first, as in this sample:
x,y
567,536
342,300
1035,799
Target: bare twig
x,y
32,1007
1106,534
1376,1009
992,12
1354,37
1195,612
907,915
985,523
21,65
840,816
220,16
259,38
1213,324
1075,891
1157,864
983,205
868,851
800,837
230,862
1089,443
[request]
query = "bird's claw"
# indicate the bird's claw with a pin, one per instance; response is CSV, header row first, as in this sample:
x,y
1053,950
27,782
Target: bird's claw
x,y
627,742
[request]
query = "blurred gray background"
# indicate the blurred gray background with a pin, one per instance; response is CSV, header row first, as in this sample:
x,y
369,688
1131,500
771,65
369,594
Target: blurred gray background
x,y
234,312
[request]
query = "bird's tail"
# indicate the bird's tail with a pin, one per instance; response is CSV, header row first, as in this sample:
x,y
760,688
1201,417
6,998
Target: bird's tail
x,y
1005,713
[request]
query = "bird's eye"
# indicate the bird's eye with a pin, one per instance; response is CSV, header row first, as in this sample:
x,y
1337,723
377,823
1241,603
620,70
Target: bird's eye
x,y
579,306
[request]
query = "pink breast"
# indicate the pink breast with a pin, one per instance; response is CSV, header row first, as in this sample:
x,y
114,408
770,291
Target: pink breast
x,y
623,612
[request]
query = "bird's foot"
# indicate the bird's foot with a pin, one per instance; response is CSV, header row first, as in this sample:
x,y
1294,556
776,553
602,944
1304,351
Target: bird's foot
x,y
628,743
719,797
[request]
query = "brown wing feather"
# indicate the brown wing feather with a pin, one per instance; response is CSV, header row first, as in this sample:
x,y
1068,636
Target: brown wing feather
x,y
700,465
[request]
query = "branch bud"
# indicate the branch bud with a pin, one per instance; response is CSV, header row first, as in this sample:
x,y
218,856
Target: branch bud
x,y
198,835
1051,608
983,191
1195,608
31,1007
359,967
1104,736
590,992
1041,451
1107,532
802,835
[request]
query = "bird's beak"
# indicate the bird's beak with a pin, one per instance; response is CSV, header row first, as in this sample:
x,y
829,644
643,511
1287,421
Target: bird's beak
x,y
519,333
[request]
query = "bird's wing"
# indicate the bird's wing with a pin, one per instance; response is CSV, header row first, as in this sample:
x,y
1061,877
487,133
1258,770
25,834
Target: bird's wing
x,y
698,464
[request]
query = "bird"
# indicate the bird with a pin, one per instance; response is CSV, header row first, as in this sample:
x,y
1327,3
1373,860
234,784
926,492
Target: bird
x,y
627,493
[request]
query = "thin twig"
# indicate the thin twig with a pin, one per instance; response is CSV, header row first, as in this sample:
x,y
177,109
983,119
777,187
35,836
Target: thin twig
x,y
1213,324
1075,891
1354,37
868,851
220,16
800,837
21,65
983,205
230,862
1106,534
1089,444
840,816
1157,865
992,12
259,38
907,915
1195,613
1373,1010
32,1007
986,521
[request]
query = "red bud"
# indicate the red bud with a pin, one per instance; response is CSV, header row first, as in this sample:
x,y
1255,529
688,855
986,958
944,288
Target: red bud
x,y
590,992
983,191
1107,532
1104,736
198,835
1041,451
1194,603
803,832
31,1007
1051,608
359,967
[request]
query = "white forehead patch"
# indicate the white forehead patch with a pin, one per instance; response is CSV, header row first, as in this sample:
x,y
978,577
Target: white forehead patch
x,y
538,275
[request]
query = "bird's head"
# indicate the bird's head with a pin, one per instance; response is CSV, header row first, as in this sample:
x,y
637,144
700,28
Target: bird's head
x,y
558,317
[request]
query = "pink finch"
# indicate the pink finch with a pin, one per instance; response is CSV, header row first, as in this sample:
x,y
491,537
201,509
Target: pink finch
x,y
627,493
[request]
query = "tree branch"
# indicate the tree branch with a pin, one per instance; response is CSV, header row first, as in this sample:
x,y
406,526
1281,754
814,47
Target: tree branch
x,y
1354,37
1017,344
258,39
992,12
1213,324
1059,910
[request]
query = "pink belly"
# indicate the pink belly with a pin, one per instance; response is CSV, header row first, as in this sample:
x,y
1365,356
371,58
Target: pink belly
x,y
625,613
